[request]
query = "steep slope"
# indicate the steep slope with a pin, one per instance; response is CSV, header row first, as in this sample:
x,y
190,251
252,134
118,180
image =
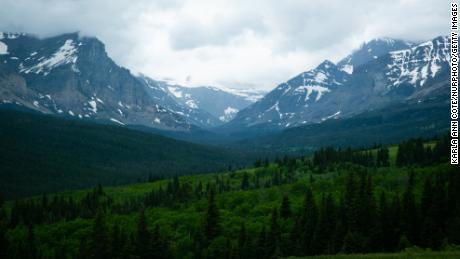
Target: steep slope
x,y
382,126
40,153
72,76
289,104
329,92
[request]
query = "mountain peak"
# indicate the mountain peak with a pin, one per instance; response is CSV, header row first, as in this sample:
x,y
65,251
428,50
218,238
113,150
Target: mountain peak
x,y
325,65
371,50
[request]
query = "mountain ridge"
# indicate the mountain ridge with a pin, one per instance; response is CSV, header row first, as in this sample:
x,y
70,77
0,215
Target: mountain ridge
x,y
329,91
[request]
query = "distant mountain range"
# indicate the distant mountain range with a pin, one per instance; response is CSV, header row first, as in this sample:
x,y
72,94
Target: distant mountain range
x,y
380,74
205,106
73,76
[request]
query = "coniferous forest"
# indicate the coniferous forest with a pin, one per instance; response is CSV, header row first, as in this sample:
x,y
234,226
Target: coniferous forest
x,y
385,199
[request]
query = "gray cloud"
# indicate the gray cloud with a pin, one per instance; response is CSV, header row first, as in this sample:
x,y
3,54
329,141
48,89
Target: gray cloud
x,y
190,33
259,42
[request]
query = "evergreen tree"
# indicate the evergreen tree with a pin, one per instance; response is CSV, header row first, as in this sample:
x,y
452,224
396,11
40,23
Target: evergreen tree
x,y
100,240
116,242
324,231
158,246
262,249
243,243
212,228
285,209
245,181
142,237
274,236
295,245
31,248
308,222
410,212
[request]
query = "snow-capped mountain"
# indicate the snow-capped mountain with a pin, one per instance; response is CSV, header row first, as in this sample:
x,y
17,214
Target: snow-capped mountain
x,y
222,103
415,72
72,76
163,95
371,50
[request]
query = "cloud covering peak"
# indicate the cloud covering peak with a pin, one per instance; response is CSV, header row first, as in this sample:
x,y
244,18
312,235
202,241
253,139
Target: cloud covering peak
x,y
232,43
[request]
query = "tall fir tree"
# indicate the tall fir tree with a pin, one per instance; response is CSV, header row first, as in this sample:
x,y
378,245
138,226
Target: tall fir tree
x,y
100,239
142,237
308,222
274,236
285,209
212,224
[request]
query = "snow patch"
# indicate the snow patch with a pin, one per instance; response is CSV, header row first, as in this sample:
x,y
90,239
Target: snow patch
x,y
175,91
66,54
347,69
93,105
230,110
320,90
331,116
320,77
3,48
117,121
192,104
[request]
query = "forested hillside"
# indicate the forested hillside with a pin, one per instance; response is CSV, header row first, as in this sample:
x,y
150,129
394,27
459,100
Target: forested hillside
x,y
380,200
40,153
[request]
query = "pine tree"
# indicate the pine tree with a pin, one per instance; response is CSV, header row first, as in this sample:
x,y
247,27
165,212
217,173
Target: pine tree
x,y
410,212
2,200
285,209
308,222
99,241
261,249
31,248
324,231
274,235
158,245
384,224
212,228
116,242
245,181
295,237
142,237
243,243
3,241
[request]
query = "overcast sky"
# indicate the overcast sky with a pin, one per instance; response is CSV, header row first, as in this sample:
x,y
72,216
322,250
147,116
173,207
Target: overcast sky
x,y
233,43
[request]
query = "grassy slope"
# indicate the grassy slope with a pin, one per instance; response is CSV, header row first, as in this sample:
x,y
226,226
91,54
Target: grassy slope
x,y
45,154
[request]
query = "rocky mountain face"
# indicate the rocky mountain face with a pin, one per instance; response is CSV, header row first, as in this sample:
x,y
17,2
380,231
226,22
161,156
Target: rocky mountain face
x,y
371,50
73,76
359,83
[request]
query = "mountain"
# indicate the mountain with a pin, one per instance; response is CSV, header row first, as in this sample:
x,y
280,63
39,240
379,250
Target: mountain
x,y
332,91
73,76
41,154
221,102
388,125
162,94
371,50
